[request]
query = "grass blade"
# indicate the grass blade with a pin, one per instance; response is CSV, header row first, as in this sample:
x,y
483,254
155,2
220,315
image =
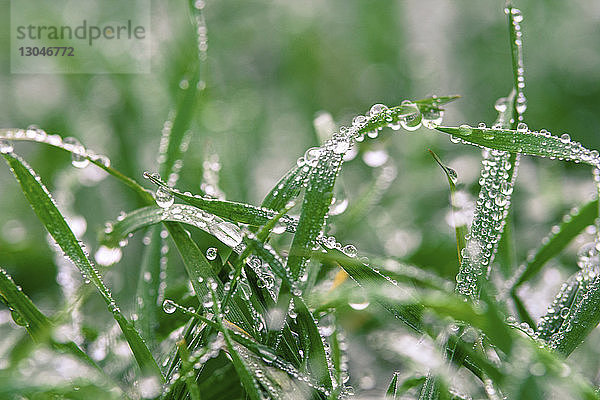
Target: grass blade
x,y
524,141
40,200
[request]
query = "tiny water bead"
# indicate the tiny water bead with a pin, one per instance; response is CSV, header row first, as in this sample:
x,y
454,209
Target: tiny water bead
x,y
211,253
169,306
164,198
588,256
5,147
376,109
465,129
432,118
78,156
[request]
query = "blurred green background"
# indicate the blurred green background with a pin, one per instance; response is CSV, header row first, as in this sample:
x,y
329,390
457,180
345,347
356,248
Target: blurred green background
x,y
272,68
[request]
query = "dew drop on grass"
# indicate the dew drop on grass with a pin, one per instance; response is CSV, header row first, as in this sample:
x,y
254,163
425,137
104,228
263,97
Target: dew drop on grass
x,y
452,175
78,158
169,306
106,256
164,199
376,109
411,116
279,228
18,318
588,256
432,118
350,250
5,147
465,130
211,253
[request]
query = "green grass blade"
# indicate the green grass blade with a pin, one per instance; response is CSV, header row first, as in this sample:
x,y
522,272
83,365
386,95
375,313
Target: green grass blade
x,y
565,302
40,200
573,224
390,393
287,188
37,324
527,142
584,315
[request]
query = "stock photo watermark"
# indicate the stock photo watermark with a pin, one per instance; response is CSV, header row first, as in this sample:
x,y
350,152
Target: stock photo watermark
x,y
65,36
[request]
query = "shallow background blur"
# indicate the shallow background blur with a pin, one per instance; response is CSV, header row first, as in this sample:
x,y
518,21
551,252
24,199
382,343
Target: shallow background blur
x,y
273,67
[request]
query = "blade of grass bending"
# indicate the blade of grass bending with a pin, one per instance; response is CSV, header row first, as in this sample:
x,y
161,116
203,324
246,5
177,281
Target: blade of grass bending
x,y
287,188
39,136
460,230
390,393
573,224
40,200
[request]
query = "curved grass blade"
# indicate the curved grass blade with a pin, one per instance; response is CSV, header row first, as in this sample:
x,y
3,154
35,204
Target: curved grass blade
x,y
526,142
573,224
226,232
390,393
40,200
78,153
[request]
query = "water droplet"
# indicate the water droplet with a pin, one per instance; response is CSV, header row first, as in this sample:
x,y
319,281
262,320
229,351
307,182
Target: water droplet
x,y
78,157
565,138
164,198
522,127
18,318
169,306
5,147
432,118
350,250
465,130
211,253
376,109
411,116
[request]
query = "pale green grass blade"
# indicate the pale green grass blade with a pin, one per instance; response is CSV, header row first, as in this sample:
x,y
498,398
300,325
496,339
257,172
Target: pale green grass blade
x,y
372,280
573,224
40,200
